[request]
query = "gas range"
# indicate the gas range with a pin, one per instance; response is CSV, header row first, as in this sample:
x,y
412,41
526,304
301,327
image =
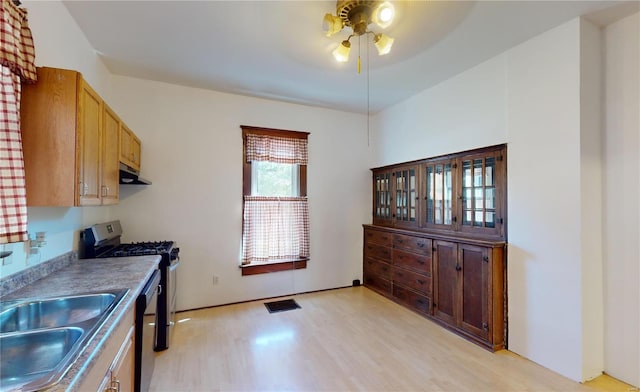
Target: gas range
x,y
103,240
142,249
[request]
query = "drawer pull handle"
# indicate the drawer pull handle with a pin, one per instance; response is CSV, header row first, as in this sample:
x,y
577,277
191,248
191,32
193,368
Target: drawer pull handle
x,y
420,244
421,281
421,262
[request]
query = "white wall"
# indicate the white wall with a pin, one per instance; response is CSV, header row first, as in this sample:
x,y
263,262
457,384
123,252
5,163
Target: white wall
x,y
544,265
192,151
621,195
444,119
529,97
591,163
59,42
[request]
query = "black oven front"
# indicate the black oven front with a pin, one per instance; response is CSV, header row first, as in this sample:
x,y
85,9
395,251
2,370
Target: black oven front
x,y
146,320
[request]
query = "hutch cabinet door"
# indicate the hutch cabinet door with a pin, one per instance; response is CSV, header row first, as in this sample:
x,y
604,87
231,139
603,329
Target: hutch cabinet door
x,y
382,198
482,199
405,199
445,281
475,276
439,189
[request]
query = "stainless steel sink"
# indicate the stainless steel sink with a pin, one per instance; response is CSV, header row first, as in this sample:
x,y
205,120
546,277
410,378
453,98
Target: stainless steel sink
x,y
41,338
54,312
35,355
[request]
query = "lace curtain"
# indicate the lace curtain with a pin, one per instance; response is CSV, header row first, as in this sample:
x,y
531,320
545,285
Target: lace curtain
x,y
17,62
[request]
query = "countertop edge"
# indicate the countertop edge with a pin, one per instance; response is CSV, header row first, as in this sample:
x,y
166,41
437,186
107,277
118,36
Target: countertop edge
x,y
90,275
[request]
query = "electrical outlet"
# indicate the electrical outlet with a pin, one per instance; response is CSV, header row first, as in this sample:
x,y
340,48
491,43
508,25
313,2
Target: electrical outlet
x,y
216,279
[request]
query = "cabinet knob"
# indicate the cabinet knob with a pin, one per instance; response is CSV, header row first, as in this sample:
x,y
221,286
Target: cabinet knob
x,y
458,267
485,326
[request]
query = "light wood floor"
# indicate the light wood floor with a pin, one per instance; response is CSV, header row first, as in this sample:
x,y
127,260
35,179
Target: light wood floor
x,y
341,340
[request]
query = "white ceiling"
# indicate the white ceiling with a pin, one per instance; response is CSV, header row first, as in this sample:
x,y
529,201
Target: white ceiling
x,y
277,49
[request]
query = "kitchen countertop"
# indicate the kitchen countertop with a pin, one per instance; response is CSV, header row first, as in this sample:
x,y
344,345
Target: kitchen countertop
x,y
90,275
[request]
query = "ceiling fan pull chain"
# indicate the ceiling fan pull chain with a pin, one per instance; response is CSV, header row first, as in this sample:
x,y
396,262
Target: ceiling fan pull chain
x,y
359,46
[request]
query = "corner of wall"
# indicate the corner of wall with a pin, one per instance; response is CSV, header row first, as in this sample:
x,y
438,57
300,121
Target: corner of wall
x,y
591,199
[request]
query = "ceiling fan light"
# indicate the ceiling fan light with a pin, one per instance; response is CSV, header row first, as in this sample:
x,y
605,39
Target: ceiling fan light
x,y
341,53
331,24
383,43
383,14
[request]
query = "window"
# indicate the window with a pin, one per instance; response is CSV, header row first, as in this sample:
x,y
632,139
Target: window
x,y
274,179
275,229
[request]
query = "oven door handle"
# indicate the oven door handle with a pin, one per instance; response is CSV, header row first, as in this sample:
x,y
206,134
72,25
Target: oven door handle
x,y
175,265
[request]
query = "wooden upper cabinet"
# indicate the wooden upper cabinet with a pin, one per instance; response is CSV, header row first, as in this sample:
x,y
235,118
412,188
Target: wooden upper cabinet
x,y
110,152
130,148
68,144
458,193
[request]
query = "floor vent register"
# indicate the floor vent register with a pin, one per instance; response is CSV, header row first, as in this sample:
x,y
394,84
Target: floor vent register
x,y
281,306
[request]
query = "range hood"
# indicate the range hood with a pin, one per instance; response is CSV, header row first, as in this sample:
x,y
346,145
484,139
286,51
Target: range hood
x,y
130,176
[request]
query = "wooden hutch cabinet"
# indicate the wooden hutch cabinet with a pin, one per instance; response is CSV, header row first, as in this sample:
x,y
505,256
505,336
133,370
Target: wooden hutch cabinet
x,y
437,243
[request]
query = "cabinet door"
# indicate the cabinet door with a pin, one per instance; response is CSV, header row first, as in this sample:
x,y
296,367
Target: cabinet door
x,y
482,193
122,373
445,281
382,198
136,151
110,157
438,190
125,145
405,199
48,115
89,134
130,148
475,279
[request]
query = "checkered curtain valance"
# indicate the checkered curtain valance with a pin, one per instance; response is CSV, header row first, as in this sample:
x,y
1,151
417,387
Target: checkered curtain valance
x,y
17,63
276,149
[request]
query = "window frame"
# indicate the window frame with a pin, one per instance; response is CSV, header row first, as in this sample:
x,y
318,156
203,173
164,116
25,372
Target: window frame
x,y
246,166
247,171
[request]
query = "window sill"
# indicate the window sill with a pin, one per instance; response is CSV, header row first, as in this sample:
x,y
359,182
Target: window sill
x,y
255,269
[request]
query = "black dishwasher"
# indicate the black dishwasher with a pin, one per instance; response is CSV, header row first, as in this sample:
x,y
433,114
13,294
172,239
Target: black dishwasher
x,y
146,320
